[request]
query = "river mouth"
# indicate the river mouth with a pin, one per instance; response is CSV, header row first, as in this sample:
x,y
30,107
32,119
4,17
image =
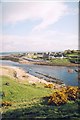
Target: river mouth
x,y
60,73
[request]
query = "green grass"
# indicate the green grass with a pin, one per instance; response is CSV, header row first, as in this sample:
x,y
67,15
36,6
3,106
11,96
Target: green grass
x,y
58,61
72,54
27,102
17,92
41,110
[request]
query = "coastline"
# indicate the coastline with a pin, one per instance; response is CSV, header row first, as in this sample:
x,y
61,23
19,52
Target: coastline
x,y
18,73
48,64
22,77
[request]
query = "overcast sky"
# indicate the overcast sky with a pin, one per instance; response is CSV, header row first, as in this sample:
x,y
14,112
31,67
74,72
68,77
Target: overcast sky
x,y
38,26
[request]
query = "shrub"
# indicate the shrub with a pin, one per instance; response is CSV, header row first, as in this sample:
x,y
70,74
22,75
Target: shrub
x,y
78,93
58,98
48,85
34,84
72,93
6,103
64,95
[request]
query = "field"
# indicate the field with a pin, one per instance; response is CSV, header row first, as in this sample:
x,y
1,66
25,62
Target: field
x,y
59,61
25,101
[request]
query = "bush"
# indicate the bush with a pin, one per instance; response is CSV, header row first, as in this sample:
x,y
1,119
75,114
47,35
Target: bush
x,y
64,95
48,86
72,93
6,103
58,98
34,84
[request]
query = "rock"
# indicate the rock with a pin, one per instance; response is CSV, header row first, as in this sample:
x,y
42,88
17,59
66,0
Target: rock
x,y
7,83
70,70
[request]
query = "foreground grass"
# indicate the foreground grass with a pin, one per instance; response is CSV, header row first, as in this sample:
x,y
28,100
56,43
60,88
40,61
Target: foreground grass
x,y
27,102
68,111
16,92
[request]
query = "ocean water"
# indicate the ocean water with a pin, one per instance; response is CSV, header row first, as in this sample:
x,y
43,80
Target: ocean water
x,y
9,53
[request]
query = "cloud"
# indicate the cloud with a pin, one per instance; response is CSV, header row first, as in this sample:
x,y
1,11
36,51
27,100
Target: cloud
x,y
1,13
47,12
36,41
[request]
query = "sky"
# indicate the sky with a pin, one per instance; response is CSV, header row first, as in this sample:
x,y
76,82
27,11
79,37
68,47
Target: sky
x,y
38,26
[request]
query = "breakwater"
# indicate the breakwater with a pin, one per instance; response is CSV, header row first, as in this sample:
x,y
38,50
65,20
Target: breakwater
x,y
51,79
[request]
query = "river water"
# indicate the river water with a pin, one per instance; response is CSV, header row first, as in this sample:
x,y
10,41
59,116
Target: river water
x,y
58,72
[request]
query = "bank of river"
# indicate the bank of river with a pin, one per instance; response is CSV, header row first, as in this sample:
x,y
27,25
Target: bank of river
x,y
57,72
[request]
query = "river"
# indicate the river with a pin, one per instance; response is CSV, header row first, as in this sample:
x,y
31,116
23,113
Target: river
x,y
58,72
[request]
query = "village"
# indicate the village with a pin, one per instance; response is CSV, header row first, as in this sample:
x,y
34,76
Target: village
x,y
66,57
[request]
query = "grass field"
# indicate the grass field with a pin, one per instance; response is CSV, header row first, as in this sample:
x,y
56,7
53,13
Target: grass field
x,y
58,61
27,102
21,92
73,54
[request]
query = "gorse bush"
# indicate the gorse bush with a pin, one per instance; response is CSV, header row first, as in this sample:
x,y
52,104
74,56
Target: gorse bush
x,y
63,95
58,98
49,85
72,93
34,84
6,103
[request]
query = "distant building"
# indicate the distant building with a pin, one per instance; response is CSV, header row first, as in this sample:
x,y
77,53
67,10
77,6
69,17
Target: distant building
x,y
39,55
51,57
46,55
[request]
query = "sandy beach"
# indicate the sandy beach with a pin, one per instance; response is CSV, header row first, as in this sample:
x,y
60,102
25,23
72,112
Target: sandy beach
x,y
19,74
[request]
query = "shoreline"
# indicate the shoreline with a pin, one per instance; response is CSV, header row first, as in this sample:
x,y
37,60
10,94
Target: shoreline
x,y
23,77
17,73
22,61
49,64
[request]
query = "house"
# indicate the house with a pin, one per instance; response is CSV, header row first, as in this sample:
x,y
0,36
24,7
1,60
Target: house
x,y
46,55
51,56
39,55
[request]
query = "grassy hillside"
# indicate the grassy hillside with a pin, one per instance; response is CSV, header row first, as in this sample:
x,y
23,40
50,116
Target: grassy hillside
x,y
26,101
21,95
16,92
